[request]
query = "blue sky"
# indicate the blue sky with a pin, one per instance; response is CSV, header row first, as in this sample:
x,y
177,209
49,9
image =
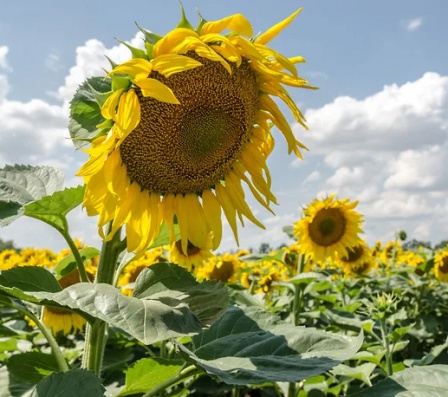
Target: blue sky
x,y
378,124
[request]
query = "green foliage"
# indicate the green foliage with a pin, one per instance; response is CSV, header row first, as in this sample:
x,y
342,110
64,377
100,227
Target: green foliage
x,y
23,184
85,110
68,263
251,347
31,367
74,383
8,244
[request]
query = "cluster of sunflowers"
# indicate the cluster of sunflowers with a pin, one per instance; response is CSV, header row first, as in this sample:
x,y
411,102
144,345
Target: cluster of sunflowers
x,y
327,241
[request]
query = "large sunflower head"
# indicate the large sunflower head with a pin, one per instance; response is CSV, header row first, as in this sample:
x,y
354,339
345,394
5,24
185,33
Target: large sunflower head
x,y
185,123
328,226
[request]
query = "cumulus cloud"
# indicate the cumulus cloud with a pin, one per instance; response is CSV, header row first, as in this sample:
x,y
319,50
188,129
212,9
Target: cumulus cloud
x,y
414,24
388,151
3,62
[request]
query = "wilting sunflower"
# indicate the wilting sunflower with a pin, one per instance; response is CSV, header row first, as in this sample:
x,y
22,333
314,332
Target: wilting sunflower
x,y
187,121
358,261
328,226
441,265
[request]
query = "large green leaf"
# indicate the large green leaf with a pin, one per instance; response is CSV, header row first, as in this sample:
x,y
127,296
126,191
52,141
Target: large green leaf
x,y
53,209
251,346
67,264
147,320
208,300
74,383
85,111
11,387
430,381
29,278
149,373
31,367
22,184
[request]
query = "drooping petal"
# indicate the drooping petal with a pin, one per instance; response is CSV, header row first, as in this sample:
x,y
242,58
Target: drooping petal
x,y
110,105
212,211
157,90
128,114
173,38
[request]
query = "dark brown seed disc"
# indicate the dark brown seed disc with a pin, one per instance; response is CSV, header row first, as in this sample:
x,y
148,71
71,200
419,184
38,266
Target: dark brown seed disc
x,y
327,227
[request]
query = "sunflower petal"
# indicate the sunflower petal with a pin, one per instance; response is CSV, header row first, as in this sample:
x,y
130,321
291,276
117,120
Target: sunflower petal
x,y
168,64
173,38
135,68
212,211
110,105
157,90
237,23
128,114
273,31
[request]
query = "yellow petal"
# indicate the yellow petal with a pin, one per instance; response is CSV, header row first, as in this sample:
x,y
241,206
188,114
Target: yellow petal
x,y
169,64
157,90
273,31
183,219
212,212
237,23
135,68
110,105
197,230
128,114
228,208
170,40
168,208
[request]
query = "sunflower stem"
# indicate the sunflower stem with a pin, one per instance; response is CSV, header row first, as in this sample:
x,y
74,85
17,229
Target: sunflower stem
x,y
183,374
386,345
96,333
79,262
55,349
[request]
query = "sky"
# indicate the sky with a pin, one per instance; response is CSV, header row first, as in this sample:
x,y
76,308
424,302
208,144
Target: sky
x,y
378,125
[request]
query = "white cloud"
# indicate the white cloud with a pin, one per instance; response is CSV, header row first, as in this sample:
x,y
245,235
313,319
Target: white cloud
x,y
313,177
53,62
413,24
91,61
3,62
389,152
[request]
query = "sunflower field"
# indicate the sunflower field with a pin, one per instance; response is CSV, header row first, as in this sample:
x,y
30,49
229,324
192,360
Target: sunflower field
x,y
176,137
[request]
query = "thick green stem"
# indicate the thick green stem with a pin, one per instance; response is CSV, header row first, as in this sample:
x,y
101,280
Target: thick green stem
x,y
96,333
57,353
79,262
292,392
182,375
386,345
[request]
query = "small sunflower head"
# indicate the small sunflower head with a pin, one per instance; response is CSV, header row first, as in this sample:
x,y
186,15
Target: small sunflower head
x,y
328,226
441,265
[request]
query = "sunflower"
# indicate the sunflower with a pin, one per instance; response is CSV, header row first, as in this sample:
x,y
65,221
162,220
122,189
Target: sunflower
x,y
61,320
328,226
187,121
441,265
358,261
192,256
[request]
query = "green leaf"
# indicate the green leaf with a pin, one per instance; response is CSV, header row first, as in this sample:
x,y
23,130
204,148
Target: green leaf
x,y
360,372
150,37
149,373
250,346
147,320
398,333
31,367
306,278
53,209
207,300
136,52
22,184
8,345
428,358
85,111
430,381
11,387
74,383
29,278
68,263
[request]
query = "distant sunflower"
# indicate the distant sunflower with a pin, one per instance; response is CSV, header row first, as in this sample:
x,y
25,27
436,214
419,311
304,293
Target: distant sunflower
x,y
185,124
328,226
62,320
192,256
441,266
358,261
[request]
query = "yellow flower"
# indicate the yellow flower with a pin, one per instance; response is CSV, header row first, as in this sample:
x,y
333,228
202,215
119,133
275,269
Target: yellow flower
x,y
62,320
390,252
193,256
441,266
328,226
358,261
190,124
